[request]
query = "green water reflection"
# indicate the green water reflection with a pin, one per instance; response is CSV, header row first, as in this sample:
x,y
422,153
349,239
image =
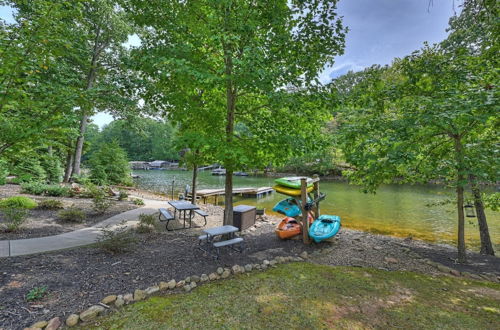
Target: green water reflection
x,y
398,210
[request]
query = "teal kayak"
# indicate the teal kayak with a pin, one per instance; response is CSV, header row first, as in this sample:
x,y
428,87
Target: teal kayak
x,y
292,182
288,207
324,227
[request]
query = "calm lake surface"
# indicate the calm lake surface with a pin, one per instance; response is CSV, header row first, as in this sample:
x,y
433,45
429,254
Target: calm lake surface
x,y
398,210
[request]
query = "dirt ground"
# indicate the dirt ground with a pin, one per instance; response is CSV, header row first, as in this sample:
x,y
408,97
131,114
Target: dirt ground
x,y
46,223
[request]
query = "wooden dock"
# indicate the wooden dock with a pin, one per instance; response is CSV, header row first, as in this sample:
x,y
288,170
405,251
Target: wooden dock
x,y
245,192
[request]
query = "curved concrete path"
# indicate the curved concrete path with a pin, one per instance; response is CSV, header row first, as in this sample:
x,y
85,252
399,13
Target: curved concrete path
x,y
85,236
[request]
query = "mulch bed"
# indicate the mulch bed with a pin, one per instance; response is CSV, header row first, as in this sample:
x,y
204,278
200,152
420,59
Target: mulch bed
x,y
42,223
81,277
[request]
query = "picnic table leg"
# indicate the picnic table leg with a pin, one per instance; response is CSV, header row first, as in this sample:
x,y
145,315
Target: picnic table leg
x,y
190,218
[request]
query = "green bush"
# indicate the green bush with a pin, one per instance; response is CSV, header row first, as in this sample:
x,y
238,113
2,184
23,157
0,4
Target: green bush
x,y
109,165
146,223
28,168
115,241
37,188
138,201
50,204
52,167
18,202
34,188
56,191
15,217
71,214
4,171
122,195
99,198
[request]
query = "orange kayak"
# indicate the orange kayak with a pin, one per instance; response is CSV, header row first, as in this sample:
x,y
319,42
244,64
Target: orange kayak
x,y
290,227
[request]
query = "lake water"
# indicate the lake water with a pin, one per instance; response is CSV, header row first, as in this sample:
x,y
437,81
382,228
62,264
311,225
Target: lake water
x,y
398,210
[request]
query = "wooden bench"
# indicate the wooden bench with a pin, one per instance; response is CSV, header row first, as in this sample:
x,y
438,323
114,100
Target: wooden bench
x,y
203,214
167,216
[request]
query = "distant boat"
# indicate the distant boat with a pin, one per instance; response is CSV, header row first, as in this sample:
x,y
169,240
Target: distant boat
x,y
219,171
241,173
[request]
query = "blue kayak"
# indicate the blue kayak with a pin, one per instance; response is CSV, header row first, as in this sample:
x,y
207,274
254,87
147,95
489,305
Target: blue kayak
x,y
288,207
324,227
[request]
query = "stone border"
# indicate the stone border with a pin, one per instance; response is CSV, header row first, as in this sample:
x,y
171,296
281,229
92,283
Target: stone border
x,y
113,302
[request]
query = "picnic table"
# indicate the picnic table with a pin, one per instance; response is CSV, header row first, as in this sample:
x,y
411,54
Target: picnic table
x,y
184,208
224,231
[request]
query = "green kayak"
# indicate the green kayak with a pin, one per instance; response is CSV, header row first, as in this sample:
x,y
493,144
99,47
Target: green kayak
x,y
293,182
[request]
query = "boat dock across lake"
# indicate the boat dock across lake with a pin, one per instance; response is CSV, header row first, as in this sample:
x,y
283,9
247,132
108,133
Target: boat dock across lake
x,y
245,192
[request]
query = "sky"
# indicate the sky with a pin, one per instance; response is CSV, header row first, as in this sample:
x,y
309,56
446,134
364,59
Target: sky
x,y
379,31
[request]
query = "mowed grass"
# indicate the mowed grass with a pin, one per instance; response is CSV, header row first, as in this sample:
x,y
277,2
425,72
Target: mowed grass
x,y
310,296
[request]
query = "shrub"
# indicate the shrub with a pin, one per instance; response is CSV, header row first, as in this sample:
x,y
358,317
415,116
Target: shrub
x,y
115,241
18,202
50,204
4,171
122,195
99,198
27,168
52,167
71,214
38,188
36,293
146,223
15,217
56,190
109,165
34,188
138,201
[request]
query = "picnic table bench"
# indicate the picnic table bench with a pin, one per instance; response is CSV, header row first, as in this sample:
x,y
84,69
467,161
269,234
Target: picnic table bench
x,y
203,214
167,216
208,239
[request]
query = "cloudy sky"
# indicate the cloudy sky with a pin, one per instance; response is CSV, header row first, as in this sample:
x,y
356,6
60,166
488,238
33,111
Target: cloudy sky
x,y
379,31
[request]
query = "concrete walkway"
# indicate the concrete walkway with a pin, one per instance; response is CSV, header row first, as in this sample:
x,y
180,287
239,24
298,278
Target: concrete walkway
x,y
85,236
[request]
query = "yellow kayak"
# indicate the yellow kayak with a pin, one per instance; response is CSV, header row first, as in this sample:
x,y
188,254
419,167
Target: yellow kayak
x,y
290,191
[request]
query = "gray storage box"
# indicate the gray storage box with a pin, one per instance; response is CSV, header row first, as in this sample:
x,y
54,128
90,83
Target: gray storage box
x,y
244,216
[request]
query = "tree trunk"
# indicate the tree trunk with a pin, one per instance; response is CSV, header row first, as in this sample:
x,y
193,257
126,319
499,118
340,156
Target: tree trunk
x,y
228,198
69,165
459,154
486,246
79,146
91,76
193,189
231,93
462,257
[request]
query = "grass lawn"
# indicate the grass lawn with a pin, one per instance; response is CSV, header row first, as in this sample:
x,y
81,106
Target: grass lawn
x,y
304,295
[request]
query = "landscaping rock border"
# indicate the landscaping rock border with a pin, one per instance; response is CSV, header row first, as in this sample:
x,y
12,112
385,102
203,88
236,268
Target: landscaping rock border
x,y
113,302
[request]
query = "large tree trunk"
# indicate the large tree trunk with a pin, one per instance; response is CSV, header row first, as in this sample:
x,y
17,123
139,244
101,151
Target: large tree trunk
x,y
69,165
91,77
231,93
459,154
228,198
193,189
486,246
79,145
462,257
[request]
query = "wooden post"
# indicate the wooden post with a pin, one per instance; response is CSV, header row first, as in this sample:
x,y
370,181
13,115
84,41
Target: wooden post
x,y
316,195
305,223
